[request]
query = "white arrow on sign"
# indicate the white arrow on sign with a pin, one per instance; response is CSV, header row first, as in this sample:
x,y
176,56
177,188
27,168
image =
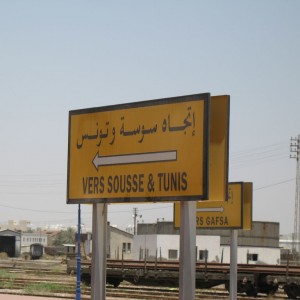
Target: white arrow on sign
x,y
137,158
210,209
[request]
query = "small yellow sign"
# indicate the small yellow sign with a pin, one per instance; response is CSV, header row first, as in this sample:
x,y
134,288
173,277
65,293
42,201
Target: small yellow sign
x,y
146,151
236,213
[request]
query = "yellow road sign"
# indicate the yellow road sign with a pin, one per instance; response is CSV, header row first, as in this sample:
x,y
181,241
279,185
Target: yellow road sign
x,y
219,147
236,213
146,151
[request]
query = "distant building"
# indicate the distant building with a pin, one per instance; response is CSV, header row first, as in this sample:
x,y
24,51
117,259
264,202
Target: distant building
x,y
30,238
70,249
288,254
286,242
85,242
10,242
119,243
15,243
21,225
259,245
166,247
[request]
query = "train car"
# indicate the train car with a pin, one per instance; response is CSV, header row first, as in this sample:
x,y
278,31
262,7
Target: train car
x,y
36,251
251,279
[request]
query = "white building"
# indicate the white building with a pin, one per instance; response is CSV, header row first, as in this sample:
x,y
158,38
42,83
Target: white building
x,y
257,246
28,238
119,243
166,247
286,241
254,255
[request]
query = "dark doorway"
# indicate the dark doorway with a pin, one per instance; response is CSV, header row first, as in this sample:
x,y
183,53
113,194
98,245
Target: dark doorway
x,y
8,245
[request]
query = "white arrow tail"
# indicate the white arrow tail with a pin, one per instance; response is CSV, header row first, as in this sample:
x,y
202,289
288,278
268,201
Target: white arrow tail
x,y
137,158
210,209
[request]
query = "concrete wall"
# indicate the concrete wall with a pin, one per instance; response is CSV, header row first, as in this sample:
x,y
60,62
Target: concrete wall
x,y
119,242
145,244
212,245
262,242
286,241
167,247
28,238
265,255
263,234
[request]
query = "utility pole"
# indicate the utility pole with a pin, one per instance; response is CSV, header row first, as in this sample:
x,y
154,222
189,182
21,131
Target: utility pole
x,y
135,213
135,216
295,154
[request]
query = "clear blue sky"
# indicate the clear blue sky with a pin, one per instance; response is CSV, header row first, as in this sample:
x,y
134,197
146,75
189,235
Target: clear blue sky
x,y
56,56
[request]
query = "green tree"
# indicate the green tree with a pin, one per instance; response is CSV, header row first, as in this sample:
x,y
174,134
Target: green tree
x,y
65,237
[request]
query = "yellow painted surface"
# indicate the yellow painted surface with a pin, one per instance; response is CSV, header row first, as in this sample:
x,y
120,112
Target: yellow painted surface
x,y
248,196
218,214
178,128
218,147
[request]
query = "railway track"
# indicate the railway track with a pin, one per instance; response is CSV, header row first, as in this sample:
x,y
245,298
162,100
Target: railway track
x,y
124,291
252,279
50,279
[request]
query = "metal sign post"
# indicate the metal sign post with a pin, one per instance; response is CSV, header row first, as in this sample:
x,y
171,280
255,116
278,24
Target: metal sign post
x,y
233,264
187,260
78,272
98,282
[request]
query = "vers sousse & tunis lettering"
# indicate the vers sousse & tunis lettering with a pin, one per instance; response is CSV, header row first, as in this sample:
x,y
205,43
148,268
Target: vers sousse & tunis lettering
x,y
135,183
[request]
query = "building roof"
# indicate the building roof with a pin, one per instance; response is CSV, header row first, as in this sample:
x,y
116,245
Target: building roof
x,y
10,232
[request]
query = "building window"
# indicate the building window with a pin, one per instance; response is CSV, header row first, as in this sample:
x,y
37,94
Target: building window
x,y
126,247
173,254
203,254
253,256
